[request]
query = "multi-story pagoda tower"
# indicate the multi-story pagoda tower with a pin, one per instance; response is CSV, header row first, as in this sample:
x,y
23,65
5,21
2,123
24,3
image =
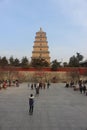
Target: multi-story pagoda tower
x,y
40,48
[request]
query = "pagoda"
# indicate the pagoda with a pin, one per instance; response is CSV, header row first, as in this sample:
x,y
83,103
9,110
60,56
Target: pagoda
x,y
40,48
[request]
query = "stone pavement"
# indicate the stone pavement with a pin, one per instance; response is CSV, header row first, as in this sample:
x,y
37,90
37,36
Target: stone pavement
x,y
56,108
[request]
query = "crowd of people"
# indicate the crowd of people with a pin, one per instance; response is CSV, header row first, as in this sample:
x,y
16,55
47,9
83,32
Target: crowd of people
x,y
81,86
37,87
8,83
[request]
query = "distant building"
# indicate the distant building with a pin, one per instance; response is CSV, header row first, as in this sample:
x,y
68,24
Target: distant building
x,y
83,64
40,48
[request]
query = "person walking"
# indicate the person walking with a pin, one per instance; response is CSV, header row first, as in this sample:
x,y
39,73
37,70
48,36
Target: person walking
x,y
31,104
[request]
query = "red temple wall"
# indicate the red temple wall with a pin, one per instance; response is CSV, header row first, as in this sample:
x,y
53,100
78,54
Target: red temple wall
x,y
81,70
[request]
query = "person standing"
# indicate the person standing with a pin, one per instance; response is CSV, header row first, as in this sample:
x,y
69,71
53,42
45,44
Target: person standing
x,y
37,89
31,104
48,84
80,88
84,88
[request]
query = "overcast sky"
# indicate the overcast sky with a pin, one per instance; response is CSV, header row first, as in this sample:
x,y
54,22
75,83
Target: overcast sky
x,y
64,21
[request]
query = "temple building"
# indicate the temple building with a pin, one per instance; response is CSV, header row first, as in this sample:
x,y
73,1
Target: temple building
x,y
40,48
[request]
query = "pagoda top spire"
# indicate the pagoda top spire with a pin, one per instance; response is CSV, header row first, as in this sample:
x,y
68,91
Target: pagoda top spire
x,y
41,29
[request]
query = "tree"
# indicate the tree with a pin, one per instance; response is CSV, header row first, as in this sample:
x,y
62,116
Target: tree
x,y
55,64
24,62
39,63
79,57
3,61
11,61
74,61
16,62
65,64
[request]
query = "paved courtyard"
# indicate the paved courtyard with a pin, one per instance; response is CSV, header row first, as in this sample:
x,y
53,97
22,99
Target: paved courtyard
x,y
56,108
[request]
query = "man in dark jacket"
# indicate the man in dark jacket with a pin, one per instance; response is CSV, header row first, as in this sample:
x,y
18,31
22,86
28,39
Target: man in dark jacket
x,y
31,104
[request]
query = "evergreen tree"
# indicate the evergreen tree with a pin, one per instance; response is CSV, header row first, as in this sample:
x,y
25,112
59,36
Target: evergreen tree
x,y
3,62
24,62
16,62
11,61
39,63
55,64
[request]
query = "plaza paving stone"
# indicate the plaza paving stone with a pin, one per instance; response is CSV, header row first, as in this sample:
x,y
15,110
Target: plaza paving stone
x,y
56,108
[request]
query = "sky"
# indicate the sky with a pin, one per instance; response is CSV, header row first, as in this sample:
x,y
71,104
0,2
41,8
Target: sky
x,y
64,21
